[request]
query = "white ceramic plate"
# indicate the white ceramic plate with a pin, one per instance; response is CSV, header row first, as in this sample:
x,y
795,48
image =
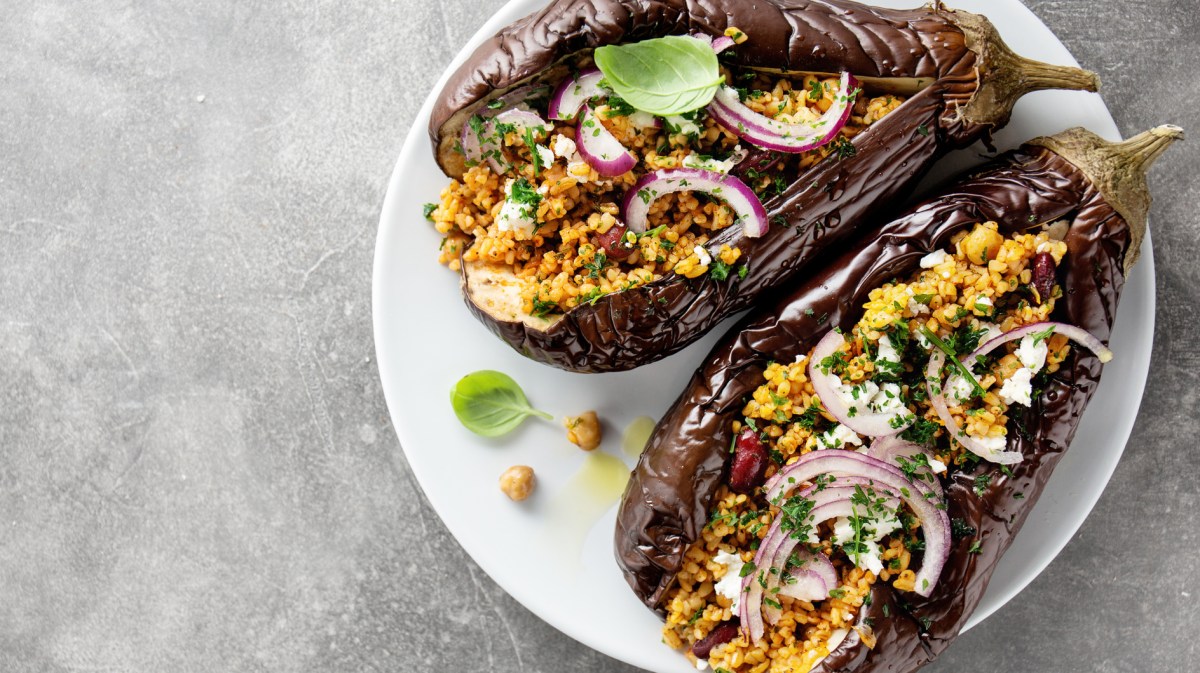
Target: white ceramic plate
x,y
553,553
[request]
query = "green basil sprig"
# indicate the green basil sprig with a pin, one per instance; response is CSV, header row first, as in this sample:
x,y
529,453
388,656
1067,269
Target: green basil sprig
x,y
663,76
491,404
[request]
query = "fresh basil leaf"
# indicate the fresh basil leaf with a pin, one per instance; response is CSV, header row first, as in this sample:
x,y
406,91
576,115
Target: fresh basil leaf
x,y
491,404
663,76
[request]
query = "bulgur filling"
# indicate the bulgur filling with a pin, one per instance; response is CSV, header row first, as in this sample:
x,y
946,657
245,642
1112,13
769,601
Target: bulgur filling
x,y
959,299
577,248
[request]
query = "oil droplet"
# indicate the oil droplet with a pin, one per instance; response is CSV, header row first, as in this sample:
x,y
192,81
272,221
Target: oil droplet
x,y
582,501
636,436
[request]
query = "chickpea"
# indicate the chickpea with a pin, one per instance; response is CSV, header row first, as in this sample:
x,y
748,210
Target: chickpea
x,y
517,482
982,244
584,430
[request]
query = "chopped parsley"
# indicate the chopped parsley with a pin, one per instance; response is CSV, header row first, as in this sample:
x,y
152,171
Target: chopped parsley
x,y
427,210
533,153
951,355
816,90
921,431
523,192
976,547
718,270
981,483
542,308
1039,337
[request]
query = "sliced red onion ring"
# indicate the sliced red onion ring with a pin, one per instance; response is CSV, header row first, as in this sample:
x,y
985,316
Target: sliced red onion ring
x,y
870,424
778,546
933,383
889,449
923,501
729,189
1076,334
600,148
573,92
771,134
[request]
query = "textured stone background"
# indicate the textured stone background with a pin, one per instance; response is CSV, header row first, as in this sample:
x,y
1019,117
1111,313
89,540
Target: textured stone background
x,y
197,472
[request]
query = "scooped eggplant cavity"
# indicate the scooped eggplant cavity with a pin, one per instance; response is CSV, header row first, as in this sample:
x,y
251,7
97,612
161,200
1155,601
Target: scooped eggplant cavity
x,y
597,182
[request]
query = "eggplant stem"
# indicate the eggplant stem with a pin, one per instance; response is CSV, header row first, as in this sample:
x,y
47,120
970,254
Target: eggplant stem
x,y
1005,76
1118,171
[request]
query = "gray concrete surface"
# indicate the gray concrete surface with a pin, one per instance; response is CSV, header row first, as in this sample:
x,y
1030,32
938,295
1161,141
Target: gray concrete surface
x,y
197,472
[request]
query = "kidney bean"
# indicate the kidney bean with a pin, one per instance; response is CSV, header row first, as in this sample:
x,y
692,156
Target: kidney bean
x,y
749,465
1043,276
721,634
614,243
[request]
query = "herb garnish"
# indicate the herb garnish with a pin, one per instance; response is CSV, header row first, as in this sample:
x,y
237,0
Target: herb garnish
x,y
491,404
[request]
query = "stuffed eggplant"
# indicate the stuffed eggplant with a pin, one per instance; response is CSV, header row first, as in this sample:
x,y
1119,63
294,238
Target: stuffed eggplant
x,y
835,486
595,230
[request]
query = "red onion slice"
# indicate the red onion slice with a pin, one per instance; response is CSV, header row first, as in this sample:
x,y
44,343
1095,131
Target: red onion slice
x,y
718,44
1076,334
732,191
600,148
890,449
933,383
923,501
488,148
771,134
574,92
870,424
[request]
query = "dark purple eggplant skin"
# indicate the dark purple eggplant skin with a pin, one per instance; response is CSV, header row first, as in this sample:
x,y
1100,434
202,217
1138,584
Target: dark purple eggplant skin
x,y
970,82
1099,188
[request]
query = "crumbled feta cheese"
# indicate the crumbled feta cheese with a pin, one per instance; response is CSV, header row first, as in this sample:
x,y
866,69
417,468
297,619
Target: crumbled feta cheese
x,y
710,164
701,665
563,146
518,217
887,399
642,119
730,585
933,259
858,397
886,351
936,465
869,557
685,126
1032,355
958,388
839,435
924,341
1018,387
545,154
982,304
702,255
991,444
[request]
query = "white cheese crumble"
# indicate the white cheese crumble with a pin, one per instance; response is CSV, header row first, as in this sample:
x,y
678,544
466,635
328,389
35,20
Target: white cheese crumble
x,y
959,388
933,259
518,217
1018,387
982,304
915,307
730,586
642,119
887,351
685,126
1032,355
710,164
702,255
545,155
991,444
563,146
887,399
924,341
872,532
839,435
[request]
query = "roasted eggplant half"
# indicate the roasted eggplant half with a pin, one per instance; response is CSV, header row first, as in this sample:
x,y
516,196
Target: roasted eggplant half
x,y
594,230
849,464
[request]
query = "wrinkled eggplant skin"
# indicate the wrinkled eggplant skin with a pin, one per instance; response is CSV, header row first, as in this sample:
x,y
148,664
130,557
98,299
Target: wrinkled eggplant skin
x,y
624,330
666,503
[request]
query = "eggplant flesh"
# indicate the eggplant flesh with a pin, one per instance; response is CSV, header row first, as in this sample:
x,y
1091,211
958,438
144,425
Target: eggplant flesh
x,y
963,82
1097,187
